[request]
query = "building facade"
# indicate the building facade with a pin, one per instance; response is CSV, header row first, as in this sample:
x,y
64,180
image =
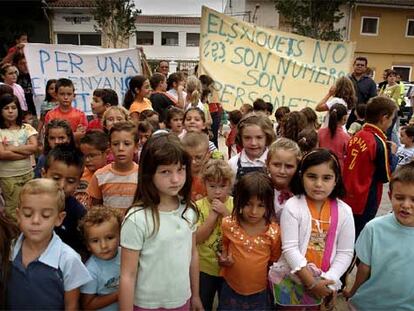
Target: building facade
x,y
384,33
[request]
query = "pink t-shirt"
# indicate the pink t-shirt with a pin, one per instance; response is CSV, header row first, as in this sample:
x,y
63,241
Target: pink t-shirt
x,y
337,144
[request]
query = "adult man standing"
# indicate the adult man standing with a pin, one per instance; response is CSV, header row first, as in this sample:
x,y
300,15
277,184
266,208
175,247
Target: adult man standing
x,y
163,67
365,87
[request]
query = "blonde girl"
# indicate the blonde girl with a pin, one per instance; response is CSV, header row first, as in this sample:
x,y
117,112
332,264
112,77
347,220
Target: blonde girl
x,y
254,133
195,121
193,99
282,161
112,115
159,258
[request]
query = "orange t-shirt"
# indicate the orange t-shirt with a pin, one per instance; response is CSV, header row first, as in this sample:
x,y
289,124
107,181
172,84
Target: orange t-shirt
x,y
252,256
140,106
74,116
319,233
198,189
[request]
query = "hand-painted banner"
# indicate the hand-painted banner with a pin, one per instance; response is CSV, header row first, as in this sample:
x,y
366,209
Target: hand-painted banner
x,y
285,69
88,67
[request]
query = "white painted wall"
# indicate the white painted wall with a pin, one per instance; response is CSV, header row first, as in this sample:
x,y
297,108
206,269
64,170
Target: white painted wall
x,y
158,51
60,25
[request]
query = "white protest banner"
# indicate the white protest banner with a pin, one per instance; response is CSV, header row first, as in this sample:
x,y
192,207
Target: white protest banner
x,y
249,62
88,67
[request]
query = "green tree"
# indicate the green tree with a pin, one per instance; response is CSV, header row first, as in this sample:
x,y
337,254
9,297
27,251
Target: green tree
x,y
115,19
313,18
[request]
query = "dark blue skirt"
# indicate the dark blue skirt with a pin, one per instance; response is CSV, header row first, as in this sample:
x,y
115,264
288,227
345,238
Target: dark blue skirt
x,y
230,300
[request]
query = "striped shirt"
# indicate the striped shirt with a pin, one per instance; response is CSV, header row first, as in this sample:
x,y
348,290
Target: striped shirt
x,y
116,189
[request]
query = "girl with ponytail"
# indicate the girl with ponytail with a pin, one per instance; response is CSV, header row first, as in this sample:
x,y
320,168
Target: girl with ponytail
x,y
334,136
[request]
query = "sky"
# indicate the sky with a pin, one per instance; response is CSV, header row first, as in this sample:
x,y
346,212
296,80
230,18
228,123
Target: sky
x,y
177,7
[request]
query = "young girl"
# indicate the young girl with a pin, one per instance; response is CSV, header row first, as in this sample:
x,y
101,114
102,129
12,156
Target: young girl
x,y
57,132
174,121
18,141
343,92
195,121
318,228
254,133
139,88
217,177
311,118
9,74
307,140
282,161
251,242
280,115
159,259
293,123
193,98
334,137
50,101
114,115
175,89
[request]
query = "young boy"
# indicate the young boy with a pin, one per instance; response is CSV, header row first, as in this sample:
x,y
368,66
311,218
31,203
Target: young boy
x,y
174,121
65,166
115,184
367,164
196,144
65,94
95,149
102,99
405,152
217,177
356,126
101,227
160,99
385,275
45,272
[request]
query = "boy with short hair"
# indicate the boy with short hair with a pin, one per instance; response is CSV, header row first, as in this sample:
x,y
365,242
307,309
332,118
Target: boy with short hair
x,y
368,162
95,149
217,176
45,273
115,184
196,144
405,152
101,228
65,166
356,126
384,248
65,94
160,99
102,99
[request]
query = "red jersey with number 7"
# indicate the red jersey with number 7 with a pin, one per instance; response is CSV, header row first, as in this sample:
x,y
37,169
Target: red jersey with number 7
x,y
366,165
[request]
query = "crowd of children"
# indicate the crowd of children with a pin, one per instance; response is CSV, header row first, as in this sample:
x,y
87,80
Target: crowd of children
x,y
138,209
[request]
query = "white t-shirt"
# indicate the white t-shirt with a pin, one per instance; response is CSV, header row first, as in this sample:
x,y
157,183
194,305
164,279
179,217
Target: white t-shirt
x,y
332,101
164,262
246,162
405,155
